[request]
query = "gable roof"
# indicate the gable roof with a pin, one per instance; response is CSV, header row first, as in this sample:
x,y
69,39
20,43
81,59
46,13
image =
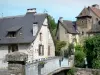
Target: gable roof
x,y
85,12
24,22
69,26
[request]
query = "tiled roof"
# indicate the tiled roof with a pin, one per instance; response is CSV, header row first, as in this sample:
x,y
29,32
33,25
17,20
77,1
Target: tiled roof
x,y
96,11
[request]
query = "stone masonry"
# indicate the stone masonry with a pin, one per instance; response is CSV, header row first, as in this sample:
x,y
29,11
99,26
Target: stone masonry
x,y
16,63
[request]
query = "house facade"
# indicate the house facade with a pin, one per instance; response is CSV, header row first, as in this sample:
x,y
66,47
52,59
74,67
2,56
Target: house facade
x,y
28,33
67,31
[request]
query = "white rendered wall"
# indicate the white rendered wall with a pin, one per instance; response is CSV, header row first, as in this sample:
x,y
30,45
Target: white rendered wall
x,y
33,48
3,52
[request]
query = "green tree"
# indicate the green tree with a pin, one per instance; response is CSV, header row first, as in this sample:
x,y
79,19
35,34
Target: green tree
x,y
92,49
59,46
52,23
52,26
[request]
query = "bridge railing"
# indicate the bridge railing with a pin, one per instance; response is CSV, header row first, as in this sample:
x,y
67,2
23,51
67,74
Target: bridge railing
x,y
46,65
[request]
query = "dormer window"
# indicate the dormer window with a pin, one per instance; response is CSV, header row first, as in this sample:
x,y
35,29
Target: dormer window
x,y
11,34
35,28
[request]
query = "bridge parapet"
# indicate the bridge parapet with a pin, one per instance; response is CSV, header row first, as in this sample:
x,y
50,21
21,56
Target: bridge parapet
x,y
46,66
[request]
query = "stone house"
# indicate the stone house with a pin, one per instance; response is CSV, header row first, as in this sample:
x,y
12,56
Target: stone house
x,y
28,33
88,21
67,31
87,24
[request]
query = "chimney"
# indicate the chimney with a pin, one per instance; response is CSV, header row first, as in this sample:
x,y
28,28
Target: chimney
x,y
33,10
61,19
95,6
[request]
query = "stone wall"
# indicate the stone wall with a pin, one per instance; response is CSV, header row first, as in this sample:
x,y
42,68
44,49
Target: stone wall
x,y
86,71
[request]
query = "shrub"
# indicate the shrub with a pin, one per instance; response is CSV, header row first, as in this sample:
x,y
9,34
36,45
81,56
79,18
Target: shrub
x,y
92,49
79,56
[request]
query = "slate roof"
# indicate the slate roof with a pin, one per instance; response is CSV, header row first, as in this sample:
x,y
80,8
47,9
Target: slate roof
x,y
15,28
85,12
69,26
22,23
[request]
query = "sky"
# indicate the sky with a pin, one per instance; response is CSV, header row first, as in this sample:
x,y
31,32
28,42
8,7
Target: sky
x,y
68,9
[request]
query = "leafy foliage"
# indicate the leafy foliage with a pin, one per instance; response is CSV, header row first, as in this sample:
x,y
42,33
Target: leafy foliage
x,y
69,51
52,23
79,48
92,49
59,45
79,56
71,71
96,64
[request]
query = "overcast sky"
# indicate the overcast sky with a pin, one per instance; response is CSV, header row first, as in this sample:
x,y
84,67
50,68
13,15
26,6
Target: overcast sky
x,y
68,9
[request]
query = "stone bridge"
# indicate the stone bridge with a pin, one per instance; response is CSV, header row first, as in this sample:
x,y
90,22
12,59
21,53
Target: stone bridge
x,y
17,65
47,66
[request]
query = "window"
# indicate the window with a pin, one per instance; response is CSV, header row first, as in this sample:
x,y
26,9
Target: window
x,y
48,50
11,34
35,28
40,36
12,48
82,32
96,19
80,13
41,50
82,21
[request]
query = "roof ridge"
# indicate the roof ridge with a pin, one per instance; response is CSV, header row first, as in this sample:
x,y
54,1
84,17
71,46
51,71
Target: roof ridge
x,y
11,16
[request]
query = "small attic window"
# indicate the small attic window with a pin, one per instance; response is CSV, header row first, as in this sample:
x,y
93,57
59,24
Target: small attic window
x,y
97,19
80,13
13,31
35,23
11,34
